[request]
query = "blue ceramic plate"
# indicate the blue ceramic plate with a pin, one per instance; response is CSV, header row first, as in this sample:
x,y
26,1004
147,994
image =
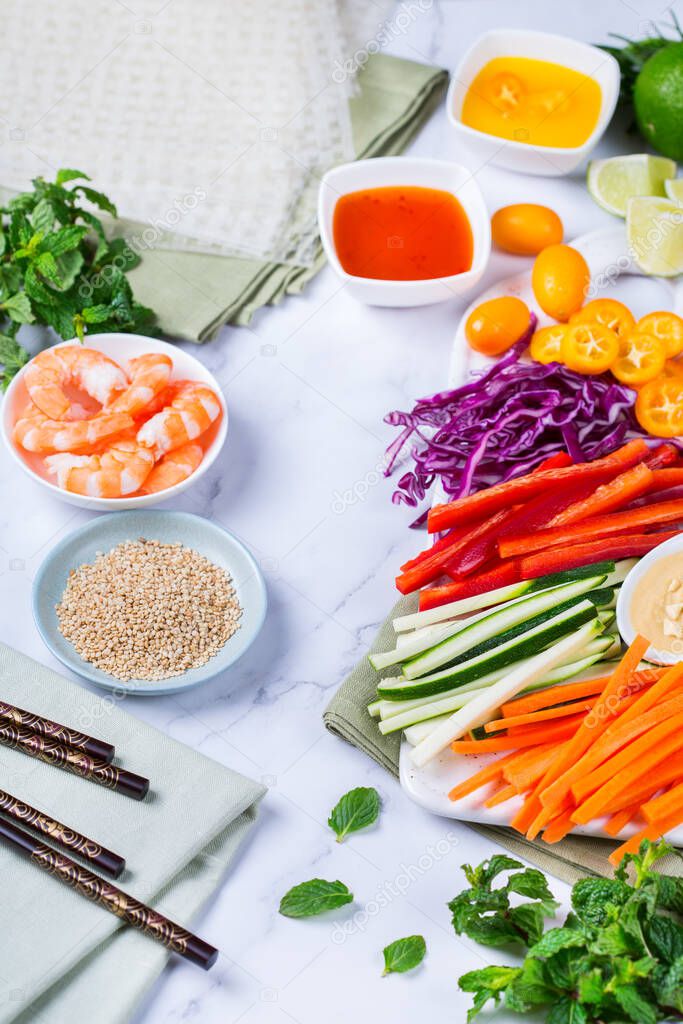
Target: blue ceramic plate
x,y
104,533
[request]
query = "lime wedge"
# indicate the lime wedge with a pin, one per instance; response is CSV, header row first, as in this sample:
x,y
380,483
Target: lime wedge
x,y
614,181
654,228
674,189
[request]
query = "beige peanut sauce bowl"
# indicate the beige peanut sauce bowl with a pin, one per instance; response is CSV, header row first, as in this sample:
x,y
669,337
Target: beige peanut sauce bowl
x,y
646,585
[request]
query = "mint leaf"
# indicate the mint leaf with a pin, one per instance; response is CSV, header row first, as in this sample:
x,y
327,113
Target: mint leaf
x,y
97,199
567,1011
404,954
18,308
12,357
69,174
314,897
487,983
356,809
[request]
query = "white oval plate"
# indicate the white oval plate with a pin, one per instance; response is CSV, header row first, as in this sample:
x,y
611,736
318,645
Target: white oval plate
x,y
606,252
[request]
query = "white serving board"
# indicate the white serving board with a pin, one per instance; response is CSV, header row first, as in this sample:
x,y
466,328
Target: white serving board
x,y
606,252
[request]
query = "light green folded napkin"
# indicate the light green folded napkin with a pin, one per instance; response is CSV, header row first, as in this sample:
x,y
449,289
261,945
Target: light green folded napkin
x,y
195,294
346,716
61,957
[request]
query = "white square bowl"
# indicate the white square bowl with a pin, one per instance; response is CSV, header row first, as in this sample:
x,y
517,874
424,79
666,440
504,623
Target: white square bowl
x,y
391,171
522,156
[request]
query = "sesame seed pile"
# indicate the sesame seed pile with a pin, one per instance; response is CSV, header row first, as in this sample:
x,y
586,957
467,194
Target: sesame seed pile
x,y
148,610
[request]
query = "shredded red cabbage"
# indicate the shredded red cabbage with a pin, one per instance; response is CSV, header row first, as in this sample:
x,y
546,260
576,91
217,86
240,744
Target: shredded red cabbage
x,y
505,422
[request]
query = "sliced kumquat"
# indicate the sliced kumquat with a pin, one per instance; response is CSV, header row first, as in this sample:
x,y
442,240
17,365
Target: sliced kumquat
x,y
546,343
667,327
505,91
659,407
642,357
589,348
673,368
610,312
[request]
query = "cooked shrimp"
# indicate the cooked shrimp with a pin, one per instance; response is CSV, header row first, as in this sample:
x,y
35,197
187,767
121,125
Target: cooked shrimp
x,y
194,408
50,371
149,375
35,432
121,469
173,468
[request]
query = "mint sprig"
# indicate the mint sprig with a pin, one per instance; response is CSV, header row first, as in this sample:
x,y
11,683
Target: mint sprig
x,y
486,912
355,810
617,958
58,269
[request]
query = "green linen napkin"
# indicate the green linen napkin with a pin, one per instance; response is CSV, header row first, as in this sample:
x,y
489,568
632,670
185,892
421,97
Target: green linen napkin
x,y
195,293
347,717
61,957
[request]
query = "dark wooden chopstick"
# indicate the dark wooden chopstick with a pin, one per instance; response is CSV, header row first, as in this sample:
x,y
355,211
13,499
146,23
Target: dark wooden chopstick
x,y
61,835
51,752
106,895
55,730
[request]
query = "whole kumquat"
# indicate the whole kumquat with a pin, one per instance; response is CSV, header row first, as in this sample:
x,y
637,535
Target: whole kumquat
x,y
560,279
525,228
494,326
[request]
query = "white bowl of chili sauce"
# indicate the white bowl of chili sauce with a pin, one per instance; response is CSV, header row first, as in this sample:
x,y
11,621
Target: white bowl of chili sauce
x,y
400,231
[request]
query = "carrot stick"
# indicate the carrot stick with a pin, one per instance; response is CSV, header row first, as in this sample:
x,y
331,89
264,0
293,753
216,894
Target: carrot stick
x,y
484,503
620,819
652,832
558,731
630,520
558,828
500,796
554,786
488,773
554,695
597,764
651,749
643,789
534,717
526,814
664,805
530,766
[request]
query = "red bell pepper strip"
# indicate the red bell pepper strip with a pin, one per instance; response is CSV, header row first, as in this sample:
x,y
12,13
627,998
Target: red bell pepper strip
x,y
500,575
664,455
522,488
663,479
611,549
431,568
536,513
629,521
558,461
439,545
608,497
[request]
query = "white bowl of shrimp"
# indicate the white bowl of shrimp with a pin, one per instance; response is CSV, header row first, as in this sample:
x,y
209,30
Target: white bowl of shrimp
x,y
119,422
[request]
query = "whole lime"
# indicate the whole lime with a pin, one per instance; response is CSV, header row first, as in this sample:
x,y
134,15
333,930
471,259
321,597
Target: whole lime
x,y
658,100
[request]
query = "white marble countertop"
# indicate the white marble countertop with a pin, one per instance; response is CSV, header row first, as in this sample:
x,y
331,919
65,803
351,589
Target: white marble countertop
x,y
298,481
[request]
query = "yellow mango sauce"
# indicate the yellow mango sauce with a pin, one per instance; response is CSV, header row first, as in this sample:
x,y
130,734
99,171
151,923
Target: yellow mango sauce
x,y
533,101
